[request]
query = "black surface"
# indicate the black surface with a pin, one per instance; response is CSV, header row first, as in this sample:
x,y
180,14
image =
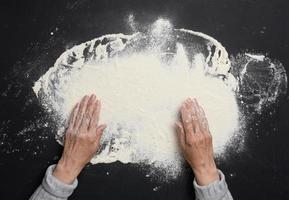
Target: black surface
x,y
260,171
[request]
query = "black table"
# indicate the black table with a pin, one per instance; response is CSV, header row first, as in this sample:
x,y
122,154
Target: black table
x,y
34,33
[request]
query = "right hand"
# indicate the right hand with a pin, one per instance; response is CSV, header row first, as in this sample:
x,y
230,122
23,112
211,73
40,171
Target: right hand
x,y
196,142
81,139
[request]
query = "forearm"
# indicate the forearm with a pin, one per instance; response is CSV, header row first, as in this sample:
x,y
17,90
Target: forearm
x,y
53,189
217,190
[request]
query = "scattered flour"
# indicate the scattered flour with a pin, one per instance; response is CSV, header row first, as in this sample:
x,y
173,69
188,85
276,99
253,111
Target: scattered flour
x,y
142,79
262,82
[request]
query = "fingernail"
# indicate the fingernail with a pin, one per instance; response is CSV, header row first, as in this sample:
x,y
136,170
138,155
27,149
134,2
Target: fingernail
x,y
93,97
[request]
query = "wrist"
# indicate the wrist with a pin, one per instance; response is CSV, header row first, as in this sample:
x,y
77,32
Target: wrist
x,y
206,175
65,172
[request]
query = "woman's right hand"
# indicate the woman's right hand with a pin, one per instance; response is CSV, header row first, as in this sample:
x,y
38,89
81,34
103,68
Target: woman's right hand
x,y
196,142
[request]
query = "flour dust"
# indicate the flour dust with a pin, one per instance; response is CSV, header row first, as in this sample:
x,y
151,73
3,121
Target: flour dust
x,y
142,79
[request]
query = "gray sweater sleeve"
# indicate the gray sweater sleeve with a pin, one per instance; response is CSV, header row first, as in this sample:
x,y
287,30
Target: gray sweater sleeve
x,y
53,189
217,190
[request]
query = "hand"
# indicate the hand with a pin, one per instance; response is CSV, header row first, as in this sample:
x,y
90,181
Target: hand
x,y
81,139
196,142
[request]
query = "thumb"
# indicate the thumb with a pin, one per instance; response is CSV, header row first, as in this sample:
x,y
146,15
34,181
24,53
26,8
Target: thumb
x,y
99,131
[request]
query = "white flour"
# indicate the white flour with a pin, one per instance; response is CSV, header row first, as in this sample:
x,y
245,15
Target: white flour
x,y
141,95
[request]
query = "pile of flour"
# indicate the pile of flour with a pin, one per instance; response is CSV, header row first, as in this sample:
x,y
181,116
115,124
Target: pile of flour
x,y
141,95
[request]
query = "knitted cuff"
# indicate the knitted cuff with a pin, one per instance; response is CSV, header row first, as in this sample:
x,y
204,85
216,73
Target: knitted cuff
x,y
214,191
55,187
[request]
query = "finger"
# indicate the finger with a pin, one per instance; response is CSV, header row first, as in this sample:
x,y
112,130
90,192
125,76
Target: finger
x,y
73,116
95,116
189,126
186,119
92,121
99,132
204,121
88,113
181,134
190,106
81,110
196,120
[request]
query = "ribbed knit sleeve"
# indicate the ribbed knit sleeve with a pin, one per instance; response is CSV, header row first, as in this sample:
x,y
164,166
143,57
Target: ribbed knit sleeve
x,y
217,190
53,189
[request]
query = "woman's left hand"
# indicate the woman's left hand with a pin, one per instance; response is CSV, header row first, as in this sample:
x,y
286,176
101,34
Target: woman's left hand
x,y
82,139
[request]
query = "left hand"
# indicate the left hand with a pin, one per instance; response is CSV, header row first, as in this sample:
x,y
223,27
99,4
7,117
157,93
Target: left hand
x,y
81,139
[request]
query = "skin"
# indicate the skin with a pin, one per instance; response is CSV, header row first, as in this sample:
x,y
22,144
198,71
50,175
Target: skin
x,y
196,142
81,139
83,136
